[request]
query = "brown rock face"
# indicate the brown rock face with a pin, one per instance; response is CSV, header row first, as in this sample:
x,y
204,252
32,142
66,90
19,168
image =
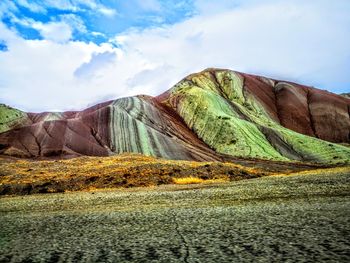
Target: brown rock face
x,y
293,108
314,112
303,109
83,135
329,115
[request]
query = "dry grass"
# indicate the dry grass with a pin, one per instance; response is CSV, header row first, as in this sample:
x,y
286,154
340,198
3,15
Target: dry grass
x,y
334,170
196,180
188,180
18,176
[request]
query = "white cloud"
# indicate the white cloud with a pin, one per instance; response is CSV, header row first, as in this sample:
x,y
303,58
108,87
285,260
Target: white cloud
x,y
57,30
32,6
74,21
146,81
90,4
39,74
54,31
61,4
212,7
149,5
97,34
298,40
97,63
7,7
67,5
107,11
301,41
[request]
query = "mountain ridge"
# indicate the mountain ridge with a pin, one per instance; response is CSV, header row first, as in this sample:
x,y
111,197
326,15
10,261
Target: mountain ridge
x,y
207,116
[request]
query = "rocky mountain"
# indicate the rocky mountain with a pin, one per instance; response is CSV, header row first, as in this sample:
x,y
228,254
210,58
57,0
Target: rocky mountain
x,y
212,115
346,95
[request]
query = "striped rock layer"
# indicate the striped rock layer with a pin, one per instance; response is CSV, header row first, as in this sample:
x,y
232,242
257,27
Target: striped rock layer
x,y
212,115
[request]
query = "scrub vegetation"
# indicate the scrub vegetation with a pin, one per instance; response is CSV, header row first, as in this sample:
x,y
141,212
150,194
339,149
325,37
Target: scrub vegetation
x,y
18,176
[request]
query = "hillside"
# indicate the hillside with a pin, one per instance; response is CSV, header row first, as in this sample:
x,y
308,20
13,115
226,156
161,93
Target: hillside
x,y
346,95
213,115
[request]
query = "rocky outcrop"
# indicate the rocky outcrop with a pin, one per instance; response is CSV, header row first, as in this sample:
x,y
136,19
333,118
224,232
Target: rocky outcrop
x,y
212,115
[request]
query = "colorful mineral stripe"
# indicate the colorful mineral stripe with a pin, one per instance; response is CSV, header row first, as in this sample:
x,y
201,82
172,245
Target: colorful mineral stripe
x,y
212,115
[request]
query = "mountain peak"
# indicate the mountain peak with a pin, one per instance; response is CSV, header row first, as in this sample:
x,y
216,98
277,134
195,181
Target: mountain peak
x,y
215,114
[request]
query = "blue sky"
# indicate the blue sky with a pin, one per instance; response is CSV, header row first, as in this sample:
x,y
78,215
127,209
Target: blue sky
x,y
98,50
93,20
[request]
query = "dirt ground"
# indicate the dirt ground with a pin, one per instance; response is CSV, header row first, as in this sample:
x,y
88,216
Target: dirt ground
x,y
303,217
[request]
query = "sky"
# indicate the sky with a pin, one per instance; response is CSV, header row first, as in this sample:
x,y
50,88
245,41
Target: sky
x,y
60,55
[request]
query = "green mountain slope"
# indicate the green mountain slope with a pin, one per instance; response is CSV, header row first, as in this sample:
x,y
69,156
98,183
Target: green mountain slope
x,y
217,107
11,118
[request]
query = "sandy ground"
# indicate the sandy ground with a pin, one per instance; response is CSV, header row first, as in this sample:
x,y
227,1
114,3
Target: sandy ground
x,y
294,218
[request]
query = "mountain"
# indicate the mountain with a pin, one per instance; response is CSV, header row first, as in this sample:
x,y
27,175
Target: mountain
x,y
346,95
212,115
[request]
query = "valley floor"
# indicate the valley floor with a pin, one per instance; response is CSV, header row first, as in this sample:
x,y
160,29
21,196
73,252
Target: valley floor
x,y
292,218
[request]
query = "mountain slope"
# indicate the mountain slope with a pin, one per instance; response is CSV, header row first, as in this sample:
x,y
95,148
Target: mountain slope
x,y
11,118
208,116
136,124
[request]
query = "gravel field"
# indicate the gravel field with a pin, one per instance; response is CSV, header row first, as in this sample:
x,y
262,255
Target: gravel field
x,y
295,218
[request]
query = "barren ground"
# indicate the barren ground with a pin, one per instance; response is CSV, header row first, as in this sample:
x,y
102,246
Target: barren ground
x,y
292,218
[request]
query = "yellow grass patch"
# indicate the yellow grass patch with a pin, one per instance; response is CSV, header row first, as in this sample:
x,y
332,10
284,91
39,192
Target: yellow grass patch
x,y
196,180
318,171
188,180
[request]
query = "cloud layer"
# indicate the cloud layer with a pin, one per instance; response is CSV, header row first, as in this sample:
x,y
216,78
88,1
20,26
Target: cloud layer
x,y
303,41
